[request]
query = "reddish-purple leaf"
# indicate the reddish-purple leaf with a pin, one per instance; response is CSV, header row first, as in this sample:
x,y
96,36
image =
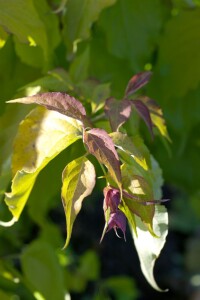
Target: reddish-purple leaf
x,y
144,113
117,112
137,81
102,147
156,115
60,102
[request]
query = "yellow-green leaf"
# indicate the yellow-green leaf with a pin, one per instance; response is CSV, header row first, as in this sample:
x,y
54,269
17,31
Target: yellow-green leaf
x,y
78,182
133,147
41,136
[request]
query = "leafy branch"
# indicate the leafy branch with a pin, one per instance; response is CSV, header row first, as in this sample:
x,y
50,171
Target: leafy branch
x,y
129,194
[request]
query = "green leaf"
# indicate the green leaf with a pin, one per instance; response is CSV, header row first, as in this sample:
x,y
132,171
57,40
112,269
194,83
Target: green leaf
x,y
78,182
178,68
41,136
78,20
149,247
42,271
102,147
140,188
22,19
3,37
136,30
132,146
118,112
60,102
100,93
79,67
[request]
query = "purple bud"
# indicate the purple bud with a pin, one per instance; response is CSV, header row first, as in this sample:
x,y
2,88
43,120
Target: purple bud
x,y
117,220
111,199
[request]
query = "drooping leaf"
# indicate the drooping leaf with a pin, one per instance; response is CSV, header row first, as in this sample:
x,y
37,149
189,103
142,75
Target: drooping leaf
x,y
78,19
78,182
132,146
41,136
42,271
60,102
148,247
117,112
156,115
144,113
137,81
100,144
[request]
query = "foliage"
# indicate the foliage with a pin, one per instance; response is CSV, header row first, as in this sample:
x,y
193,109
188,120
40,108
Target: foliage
x,y
75,59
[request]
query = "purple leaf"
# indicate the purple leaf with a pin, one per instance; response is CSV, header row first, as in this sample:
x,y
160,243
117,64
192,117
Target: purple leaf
x,y
156,115
144,113
102,147
137,81
117,112
60,102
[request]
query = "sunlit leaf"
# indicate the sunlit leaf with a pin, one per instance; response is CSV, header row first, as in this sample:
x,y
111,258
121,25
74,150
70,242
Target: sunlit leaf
x,y
144,113
41,136
102,147
156,115
137,82
60,102
142,190
78,182
133,147
118,112
148,247
100,93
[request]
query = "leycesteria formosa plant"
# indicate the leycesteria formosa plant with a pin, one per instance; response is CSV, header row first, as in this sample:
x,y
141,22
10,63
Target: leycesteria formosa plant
x,y
132,176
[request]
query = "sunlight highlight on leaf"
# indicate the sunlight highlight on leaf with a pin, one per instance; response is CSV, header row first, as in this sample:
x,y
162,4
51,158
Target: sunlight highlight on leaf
x,y
78,182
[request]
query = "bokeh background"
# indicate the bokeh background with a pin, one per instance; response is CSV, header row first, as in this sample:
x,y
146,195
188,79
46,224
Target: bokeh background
x,y
46,45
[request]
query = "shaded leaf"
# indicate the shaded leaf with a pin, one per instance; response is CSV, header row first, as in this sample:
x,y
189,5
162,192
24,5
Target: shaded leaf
x,y
78,182
144,113
60,102
136,29
148,247
22,19
137,81
42,271
41,136
78,20
100,93
156,115
133,147
117,112
102,147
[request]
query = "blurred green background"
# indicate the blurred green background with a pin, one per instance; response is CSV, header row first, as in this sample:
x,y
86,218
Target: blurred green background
x,y
52,45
